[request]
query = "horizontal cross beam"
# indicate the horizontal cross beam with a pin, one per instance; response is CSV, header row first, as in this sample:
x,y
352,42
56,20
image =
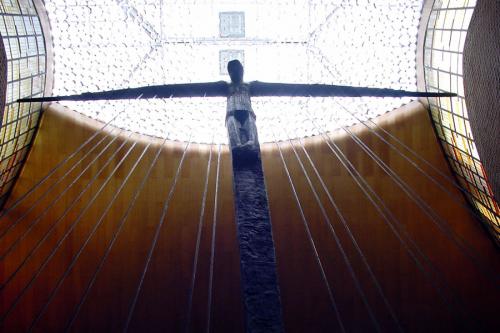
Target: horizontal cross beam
x,y
220,89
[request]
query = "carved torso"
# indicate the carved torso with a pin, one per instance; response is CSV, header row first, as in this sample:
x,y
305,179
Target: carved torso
x,y
238,98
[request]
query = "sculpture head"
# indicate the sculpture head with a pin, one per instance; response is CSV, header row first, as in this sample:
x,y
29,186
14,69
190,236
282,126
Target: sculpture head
x,y
235,69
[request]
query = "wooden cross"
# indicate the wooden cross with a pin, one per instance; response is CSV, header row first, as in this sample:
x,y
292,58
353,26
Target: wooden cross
x,y
260,288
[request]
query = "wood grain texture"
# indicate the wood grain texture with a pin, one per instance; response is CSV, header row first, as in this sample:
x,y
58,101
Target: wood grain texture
x,y
163,301
259,281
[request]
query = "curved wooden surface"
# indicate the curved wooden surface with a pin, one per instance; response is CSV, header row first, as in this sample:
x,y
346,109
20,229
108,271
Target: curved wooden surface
x,y
163,301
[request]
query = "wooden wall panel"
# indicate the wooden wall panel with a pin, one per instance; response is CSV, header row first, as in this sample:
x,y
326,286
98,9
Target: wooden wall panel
x,y
163,302
412,296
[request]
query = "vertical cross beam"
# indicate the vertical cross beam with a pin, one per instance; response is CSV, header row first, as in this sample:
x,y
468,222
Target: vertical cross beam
x,y
260,289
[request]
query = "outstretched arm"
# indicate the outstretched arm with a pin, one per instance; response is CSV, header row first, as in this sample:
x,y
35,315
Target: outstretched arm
x,y
258,88
209,89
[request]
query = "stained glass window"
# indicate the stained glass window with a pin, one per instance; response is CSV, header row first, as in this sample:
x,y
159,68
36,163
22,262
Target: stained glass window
x,y
444,46
23,39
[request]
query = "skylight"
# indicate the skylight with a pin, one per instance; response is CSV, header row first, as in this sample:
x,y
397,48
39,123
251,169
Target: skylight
x,y
102,45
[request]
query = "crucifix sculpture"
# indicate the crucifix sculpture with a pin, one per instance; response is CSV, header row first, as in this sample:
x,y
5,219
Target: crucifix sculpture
x,y
260,289
240,118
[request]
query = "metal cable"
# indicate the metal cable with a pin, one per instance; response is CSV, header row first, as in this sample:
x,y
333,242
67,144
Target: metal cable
x,y
415,154
198,240
388,218
87,240
311,240
55,168
212,247
155,239
330,226
72,227
122,222
454,197
351,236
47,191
56,199
428,210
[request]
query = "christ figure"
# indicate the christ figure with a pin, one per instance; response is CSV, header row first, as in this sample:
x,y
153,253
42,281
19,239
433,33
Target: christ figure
x,y
240,118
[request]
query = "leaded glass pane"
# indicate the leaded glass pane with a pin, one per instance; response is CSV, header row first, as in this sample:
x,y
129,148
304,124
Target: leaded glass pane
x,y
443,72
20,37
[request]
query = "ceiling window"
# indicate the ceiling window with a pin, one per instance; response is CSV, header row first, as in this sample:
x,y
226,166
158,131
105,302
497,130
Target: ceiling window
x,y
232,24
226,56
